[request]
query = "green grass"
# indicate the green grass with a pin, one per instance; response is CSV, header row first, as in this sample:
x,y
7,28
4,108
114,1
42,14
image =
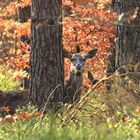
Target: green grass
x,y
100,118
36,128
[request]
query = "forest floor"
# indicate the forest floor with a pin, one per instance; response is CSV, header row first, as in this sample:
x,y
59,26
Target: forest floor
x,y
102,116
14,99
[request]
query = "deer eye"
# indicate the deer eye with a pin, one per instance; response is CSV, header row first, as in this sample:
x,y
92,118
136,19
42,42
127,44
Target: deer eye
x,y
72,59
83,59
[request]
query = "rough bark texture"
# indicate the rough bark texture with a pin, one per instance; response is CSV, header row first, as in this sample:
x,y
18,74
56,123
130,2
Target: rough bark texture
x,y
46,88
127,42
128,32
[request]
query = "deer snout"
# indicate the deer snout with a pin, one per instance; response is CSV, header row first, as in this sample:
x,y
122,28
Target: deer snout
x,y
79,67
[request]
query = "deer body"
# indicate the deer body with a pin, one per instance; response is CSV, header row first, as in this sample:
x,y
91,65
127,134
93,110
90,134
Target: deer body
x,y
73,86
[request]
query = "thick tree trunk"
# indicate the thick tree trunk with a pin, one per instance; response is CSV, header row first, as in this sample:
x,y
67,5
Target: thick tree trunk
x,y
47,74
128,32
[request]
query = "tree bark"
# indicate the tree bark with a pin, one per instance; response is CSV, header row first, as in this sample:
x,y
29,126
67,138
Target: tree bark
x,y
47,74
128,32
127,42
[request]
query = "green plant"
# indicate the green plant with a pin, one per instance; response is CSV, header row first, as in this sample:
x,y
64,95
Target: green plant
x,y
6,79
49,127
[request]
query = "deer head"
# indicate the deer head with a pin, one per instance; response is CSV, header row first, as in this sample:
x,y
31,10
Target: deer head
x,y
78,60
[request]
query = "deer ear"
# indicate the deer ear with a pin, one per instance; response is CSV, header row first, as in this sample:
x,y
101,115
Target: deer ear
x,y
90,54
91,78
67,54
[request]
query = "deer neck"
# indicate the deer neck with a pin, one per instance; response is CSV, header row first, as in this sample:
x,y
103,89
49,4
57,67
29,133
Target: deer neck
x,y
75,80
73,88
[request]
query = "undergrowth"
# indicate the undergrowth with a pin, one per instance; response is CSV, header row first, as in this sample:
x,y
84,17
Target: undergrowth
x,y
99,116
26,125
6,79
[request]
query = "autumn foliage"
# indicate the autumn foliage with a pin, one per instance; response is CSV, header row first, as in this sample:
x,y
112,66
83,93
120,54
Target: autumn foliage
x,y
86,23
22,116
13,52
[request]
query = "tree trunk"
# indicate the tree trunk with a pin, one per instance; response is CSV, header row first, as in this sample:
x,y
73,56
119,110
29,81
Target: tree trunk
x,y
128,32
127,40
47,74
125,58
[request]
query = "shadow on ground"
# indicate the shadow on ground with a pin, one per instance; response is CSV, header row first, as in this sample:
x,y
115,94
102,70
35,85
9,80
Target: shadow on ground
x,y
14,99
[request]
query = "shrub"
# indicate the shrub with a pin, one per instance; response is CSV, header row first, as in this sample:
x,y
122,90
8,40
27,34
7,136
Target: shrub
x,y
6,79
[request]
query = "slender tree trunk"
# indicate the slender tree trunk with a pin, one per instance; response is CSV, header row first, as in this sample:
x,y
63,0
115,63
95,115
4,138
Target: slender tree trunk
x,y
127,41
47,76
128,32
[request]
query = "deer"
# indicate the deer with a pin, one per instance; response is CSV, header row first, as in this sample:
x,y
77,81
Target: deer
x,y
74,85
